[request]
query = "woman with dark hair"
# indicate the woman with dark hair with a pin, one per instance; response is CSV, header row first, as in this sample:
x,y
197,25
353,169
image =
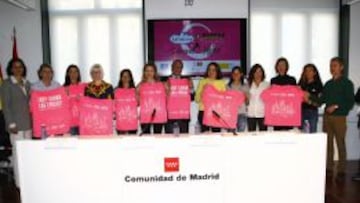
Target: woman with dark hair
x,y
310,82
150,77
213,76
15,97
237,83
75,90
72,76
45,82
256,108
282,78
126,82
126,79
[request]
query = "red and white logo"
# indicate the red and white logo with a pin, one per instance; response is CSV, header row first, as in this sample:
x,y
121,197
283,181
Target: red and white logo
x,y
171,164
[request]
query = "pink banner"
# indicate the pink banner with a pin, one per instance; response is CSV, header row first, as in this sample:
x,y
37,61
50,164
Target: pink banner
x,y
283,105
197,43
210,40
96,116
153,103
75,93
126,109
179,99
51,109
221,107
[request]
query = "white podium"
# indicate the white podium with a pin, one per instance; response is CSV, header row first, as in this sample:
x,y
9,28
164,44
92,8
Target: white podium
x,y
272,168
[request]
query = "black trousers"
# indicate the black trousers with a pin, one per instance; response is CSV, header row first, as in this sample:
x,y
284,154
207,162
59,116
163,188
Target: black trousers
x,y
205,128
4,135
253,123
146,127
183,125
129,132
282,128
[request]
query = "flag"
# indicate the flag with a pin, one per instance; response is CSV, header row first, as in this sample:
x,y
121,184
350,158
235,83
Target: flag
x,y
14,51
1,75
1,79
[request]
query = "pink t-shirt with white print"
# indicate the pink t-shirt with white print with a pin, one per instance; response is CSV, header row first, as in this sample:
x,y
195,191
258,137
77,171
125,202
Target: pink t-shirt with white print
x,y
283,105
221,107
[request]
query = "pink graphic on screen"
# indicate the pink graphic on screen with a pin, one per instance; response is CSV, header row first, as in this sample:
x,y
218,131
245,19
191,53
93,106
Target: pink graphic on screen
x,y
197,42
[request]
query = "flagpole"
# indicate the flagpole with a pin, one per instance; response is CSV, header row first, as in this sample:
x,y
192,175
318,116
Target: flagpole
x,y
14,51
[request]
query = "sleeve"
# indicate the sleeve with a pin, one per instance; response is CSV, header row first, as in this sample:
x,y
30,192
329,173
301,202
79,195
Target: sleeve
x,y
272,81
264,94
7,104
292,81
86,89
349,99
111,92
321,98
198,91
357,96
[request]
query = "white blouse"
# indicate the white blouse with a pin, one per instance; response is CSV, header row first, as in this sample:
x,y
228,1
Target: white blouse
x,y
256,108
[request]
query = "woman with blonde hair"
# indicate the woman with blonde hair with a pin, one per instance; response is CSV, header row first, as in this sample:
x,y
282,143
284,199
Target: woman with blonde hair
x,y
98,88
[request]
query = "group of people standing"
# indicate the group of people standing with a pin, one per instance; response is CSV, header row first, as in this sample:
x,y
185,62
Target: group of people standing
x,y
337,94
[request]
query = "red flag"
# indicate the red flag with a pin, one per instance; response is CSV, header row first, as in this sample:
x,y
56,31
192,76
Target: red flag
x,y
1,75
15,53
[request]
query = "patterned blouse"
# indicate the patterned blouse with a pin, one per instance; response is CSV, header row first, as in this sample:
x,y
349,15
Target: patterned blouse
x,y
102,91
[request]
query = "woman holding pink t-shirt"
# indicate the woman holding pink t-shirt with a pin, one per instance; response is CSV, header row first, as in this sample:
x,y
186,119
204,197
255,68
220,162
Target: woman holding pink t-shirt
x,y
213,76
150,77
282,68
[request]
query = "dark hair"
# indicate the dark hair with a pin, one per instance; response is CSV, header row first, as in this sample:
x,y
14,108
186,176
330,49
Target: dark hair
x,y
253,69
282,59
217,68
42,67
131,83
10,65
156,77
177,61
337,59
303,81
241,70
67,77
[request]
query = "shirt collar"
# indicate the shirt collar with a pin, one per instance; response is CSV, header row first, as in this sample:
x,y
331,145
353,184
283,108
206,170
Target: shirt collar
x,y
13,80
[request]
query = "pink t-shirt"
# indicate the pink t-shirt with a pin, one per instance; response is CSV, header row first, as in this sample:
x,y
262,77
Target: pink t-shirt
x,y
75,93
153,103
51,109
283,105
126,109
96,116
178,102
221,107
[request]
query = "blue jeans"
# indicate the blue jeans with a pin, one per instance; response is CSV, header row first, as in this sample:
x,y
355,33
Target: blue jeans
x,y
241,122
312,116
74,130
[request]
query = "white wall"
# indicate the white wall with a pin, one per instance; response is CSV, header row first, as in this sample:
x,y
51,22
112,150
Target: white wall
x,y
29,43
317,4
353,139
172,9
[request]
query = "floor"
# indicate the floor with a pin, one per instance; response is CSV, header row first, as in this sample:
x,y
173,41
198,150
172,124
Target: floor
x,y
337,191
